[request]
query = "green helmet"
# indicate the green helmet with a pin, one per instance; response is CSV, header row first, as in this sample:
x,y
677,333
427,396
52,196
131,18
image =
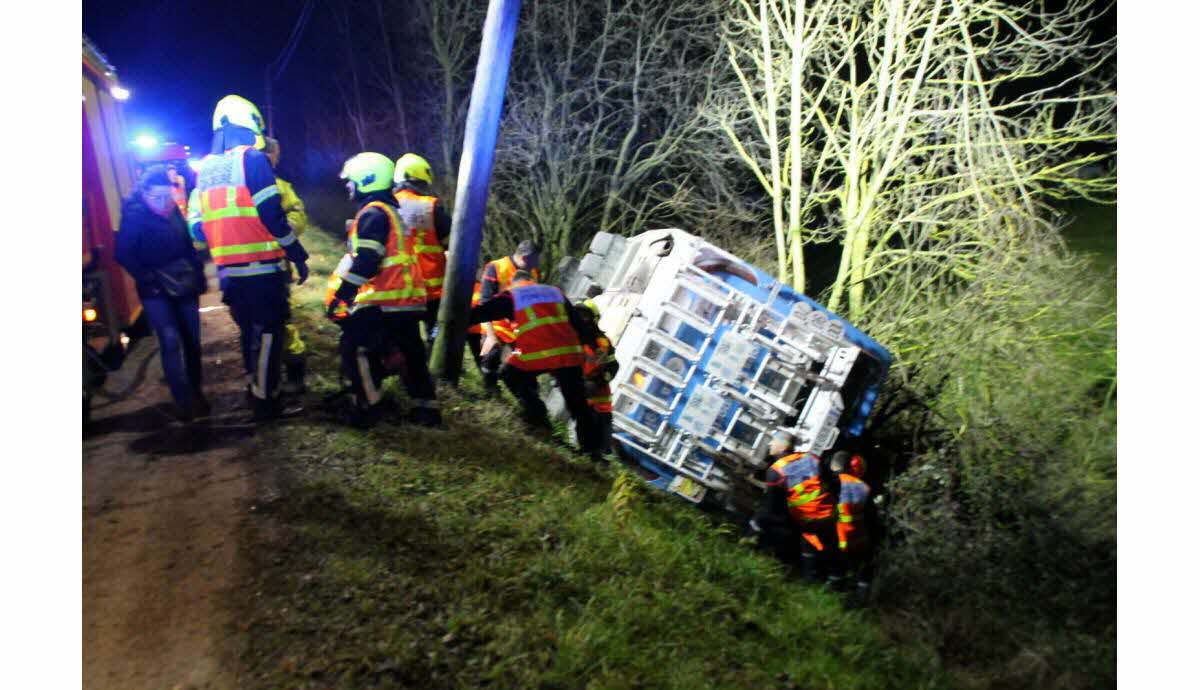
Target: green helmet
x,y
410,166
235,110
370,172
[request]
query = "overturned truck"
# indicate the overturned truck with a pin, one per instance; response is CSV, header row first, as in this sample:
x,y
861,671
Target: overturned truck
x,y
715,356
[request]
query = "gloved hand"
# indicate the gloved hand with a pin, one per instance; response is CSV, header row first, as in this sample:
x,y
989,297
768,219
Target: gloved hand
x,y
332,309
489,341
301,271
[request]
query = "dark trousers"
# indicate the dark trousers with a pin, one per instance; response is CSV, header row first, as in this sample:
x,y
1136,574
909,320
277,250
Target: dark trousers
x,y
523,385
475,344
490,365
259,307
371,339
176,323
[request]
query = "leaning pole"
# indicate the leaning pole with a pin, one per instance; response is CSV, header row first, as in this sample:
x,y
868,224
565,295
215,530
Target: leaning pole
x,y
474,174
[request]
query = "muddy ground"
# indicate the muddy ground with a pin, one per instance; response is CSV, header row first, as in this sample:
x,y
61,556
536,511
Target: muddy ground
x,y
162,506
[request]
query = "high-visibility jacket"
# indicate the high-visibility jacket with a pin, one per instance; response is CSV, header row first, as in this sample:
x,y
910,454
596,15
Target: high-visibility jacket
x,y
545,337
417,212
506,330
293,206
398,285
595,359
808,501
475,327
851,513
232,228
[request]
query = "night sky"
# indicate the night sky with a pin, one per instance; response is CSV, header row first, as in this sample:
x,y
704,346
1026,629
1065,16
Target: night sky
x,y
179,58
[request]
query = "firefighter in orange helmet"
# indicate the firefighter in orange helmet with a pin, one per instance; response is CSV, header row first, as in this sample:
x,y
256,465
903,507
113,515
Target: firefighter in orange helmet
x,y
853,502
546,341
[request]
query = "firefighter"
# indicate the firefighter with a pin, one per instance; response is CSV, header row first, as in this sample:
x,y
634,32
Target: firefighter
x,y
853,537
293,353
599,368
421,210
383,293
499,335
546,341
797,512
243,224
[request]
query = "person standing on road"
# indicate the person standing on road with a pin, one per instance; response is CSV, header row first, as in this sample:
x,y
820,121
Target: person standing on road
x,y
154,247
499,335
384,295
546,341
244,225
424,214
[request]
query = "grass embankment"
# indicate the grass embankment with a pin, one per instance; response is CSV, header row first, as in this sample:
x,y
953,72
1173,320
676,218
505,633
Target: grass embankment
x,y
474,556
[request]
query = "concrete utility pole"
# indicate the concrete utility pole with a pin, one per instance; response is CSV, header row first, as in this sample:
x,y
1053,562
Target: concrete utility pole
x,y
474,174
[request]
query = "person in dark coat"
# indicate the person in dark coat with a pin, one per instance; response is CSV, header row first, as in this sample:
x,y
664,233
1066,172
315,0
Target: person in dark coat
x,y
154,247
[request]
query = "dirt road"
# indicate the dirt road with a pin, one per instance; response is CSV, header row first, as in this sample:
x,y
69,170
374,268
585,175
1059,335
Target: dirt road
x,y
162,503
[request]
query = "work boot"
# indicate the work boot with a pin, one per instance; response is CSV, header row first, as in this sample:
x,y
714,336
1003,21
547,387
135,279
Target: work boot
x,y
361,418
426,417
293,379
268,410
201,407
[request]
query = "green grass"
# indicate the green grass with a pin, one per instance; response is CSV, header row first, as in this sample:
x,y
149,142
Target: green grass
x,y
479,557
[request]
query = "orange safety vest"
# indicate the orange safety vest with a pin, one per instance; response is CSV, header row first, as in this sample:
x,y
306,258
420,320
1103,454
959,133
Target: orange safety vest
x,y
475,327
506,330
235,233
851,507
594,359
545,337
398,285
417,213
808,500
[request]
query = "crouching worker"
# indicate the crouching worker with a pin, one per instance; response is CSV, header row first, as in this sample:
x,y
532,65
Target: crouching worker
x,y
546,341
599,367
796,517
380,298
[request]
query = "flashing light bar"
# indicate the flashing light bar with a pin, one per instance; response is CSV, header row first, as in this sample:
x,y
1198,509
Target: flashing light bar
x,y
120,93
89,314
145,141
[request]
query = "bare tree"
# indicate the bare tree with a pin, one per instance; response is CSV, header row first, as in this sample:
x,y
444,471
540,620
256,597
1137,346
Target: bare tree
x,y
604,103
922,135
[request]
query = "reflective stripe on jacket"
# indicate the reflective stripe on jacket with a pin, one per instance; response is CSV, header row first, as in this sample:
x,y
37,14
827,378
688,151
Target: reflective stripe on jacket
x,y
545,337
234,232
417,213
594,361
398,285
851,513
506,330
808,500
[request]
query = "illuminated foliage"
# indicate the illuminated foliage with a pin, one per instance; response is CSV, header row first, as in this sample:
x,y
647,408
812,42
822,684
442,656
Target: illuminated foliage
x,y
922,136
